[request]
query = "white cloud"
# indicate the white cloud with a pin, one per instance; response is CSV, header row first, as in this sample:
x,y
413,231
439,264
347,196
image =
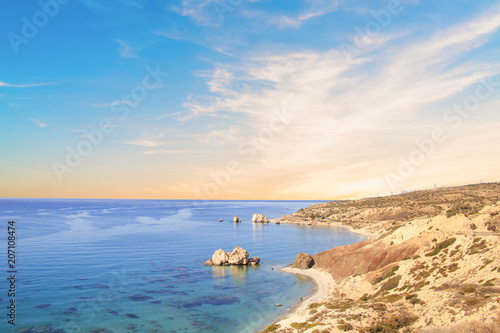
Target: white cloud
x,y
125,51
171,114
348,119
38,122
213,12
201,11
313,9
29,85
147,141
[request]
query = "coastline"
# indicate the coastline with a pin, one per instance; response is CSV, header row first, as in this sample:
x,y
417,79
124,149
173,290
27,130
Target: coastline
x,y
324,282
324,286
365,233
423,250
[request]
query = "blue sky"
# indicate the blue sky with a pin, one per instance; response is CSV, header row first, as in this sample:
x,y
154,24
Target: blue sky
x,y
258,99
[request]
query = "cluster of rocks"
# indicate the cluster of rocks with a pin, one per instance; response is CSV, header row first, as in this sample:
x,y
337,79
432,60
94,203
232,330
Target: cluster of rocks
x,y
257,218
303,261
238,256
260,218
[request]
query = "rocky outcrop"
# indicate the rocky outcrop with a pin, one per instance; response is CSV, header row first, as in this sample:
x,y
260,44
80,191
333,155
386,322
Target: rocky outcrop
x,y
260,218
254,261
238,256
236,219
303,261
363,257
219,257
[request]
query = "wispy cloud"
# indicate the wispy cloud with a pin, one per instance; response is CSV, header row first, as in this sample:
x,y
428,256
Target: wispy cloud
x,y
38,122
114,103
207,12
125,51
167,115
313,9
201,11
26,85
167,152
148,141
348,118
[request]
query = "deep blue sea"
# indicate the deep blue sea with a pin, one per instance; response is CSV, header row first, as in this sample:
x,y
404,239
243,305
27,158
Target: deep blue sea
x,y
137,265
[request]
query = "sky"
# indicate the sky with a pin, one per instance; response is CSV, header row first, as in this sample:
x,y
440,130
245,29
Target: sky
x,y
247,99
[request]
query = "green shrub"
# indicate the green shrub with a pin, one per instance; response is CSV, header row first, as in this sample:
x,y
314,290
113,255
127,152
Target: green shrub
x,y
271,328
387,274
467,289
410,296
391,283
305,325
472,301
441,246
345,327
392,324
315,305
489,283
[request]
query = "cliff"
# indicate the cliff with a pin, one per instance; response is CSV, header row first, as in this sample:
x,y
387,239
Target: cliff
x,y
433,267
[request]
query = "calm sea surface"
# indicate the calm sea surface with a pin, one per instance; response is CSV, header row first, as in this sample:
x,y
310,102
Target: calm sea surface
x,y
137,265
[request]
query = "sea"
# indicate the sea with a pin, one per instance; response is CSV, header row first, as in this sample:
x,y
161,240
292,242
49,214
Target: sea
x,y
84,265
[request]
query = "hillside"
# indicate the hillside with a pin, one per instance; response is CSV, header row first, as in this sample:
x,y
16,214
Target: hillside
x,y
433,266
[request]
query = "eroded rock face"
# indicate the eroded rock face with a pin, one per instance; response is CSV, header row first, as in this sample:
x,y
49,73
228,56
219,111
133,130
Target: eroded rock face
x,y
303,261
366,256
239,256
260,218
219,257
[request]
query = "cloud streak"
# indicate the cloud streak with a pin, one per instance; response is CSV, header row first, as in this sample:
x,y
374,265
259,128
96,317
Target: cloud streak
x,y
350,118
125,51
38,122
26,85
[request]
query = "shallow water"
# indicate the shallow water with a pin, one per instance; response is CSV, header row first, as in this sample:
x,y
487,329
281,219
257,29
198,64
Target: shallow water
x,y
137,265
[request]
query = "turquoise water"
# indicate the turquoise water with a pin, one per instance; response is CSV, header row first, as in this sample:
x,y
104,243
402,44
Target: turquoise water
x,y
137,265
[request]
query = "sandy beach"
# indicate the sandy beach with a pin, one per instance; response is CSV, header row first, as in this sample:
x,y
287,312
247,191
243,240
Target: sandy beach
x,y
433,267
324,285
338,225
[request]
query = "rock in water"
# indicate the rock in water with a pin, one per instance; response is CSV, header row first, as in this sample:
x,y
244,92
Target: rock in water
x,y
239,256
254,261
303,261
236,219
219,257
260,218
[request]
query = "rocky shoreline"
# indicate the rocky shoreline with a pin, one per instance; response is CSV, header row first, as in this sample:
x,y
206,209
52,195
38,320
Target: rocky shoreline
x,y
433,267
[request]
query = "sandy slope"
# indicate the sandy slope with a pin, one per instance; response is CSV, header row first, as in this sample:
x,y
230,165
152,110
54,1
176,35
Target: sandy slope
x,y
434,268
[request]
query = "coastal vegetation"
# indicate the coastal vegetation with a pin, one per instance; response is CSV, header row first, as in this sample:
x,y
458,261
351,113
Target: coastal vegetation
x,y
431,263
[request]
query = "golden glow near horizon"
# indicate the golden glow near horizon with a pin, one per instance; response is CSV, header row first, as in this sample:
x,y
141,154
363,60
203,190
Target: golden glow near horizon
x,y
397,103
